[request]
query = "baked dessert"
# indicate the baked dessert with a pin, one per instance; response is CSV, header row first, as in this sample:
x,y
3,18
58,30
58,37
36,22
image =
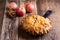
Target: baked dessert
x,y
36,24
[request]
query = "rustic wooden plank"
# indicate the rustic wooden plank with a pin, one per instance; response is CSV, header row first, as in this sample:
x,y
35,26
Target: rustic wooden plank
x,y
42,6
55,18
9,27
54,6
14,26
2,32
2,2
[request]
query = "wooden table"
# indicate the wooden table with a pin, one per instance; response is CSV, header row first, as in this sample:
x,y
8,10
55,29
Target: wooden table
x,y
42,7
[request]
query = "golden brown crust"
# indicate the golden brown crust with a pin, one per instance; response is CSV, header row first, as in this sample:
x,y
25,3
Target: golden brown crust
x,y
36,24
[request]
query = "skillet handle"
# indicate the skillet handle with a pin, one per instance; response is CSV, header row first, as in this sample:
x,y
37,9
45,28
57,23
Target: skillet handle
x,y
48,12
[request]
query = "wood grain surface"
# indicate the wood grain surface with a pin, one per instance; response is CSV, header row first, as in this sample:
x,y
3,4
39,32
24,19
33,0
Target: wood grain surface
x,y
10,30
9,27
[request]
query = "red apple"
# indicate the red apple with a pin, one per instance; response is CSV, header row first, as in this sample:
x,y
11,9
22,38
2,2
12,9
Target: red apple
x,y
13,5
21,12
29,7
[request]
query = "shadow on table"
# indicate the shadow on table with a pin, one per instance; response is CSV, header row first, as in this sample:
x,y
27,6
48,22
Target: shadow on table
x,y
23,34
